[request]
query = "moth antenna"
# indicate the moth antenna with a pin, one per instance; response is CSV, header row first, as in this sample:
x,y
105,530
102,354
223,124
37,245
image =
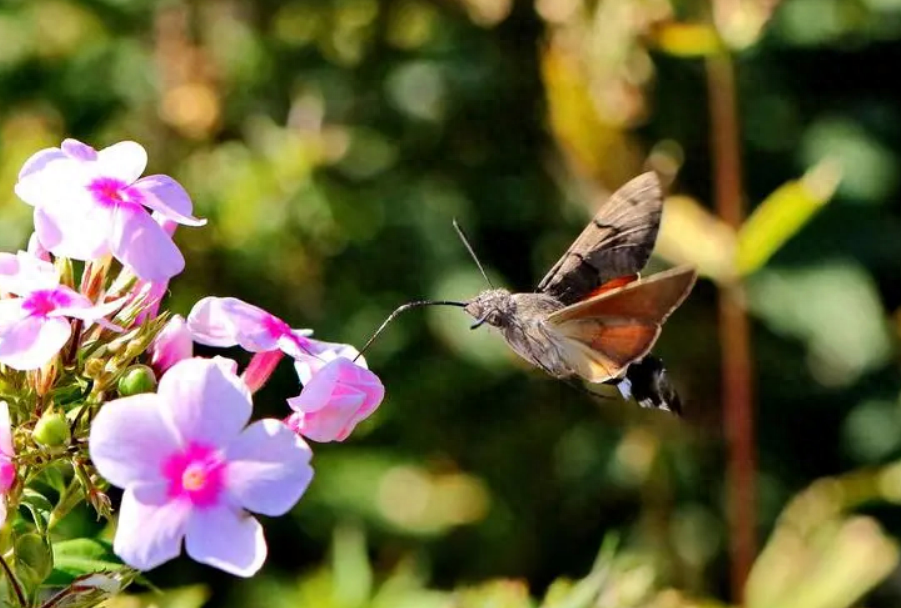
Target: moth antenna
x,y
472,253
403,308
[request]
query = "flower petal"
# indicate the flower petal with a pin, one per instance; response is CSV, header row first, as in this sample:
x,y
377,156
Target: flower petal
x,y
229,321
228,539
151,527
167,197
39,160
31,342
57,180
130,440
142,245
6,436
76,228
204,402
171,345
78,150
125,160
269,468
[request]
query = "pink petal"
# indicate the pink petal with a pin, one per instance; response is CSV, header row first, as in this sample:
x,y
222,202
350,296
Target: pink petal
x,y
229,321
139,243
171,345
6,437
150,527
130,440
36,248
228,539
269,468
166,196
32,342
125,160
322,353
204,402
39,160
79,151
335,400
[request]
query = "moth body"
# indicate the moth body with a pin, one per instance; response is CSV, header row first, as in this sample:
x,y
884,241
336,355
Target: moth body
x,y
521,318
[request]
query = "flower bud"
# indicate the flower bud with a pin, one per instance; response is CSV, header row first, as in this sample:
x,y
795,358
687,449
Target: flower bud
x,y
52,430
137,379
171,345
93,367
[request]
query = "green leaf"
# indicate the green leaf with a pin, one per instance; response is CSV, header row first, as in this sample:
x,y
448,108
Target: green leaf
x,y
39,507
82,556
782,214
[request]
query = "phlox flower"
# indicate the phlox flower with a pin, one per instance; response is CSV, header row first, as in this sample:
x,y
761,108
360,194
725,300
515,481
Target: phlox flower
x,y
7,469
36,325
335,400
225,322
90,203
191,469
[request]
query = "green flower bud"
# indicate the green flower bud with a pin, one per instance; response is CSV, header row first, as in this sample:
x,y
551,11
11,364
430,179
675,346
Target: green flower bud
x,y
34,559
52,430
137,379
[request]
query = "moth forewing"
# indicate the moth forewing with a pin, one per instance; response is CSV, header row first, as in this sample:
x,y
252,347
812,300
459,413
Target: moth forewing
x,y
617,242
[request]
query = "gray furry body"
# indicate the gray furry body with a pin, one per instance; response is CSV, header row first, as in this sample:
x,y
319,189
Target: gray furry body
x,y
521,317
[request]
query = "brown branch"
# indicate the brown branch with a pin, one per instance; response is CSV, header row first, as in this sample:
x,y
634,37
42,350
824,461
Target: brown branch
x,y
738,419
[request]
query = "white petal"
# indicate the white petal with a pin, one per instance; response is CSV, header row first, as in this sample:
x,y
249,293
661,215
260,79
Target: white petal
x,y
269,468
205,403
130,440
150,527
228,539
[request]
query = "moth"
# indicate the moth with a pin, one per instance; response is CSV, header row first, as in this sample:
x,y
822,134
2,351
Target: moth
x,y
592,316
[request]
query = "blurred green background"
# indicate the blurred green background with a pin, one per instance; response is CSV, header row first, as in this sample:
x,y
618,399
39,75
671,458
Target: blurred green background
x,y
331,143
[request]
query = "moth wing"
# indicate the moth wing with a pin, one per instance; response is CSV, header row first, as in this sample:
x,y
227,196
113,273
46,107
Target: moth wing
x,y
600,350
602,335
618,241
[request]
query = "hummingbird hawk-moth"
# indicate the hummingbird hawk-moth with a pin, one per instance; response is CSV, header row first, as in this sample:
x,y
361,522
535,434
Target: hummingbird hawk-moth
x,y
591,316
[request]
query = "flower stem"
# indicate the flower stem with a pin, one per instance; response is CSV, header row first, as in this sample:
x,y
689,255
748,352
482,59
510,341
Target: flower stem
x,y
738,420
13,583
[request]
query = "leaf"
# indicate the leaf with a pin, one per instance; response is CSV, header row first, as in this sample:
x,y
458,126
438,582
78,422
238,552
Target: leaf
x,y
688,39
39,507
82,556
782,214
91,589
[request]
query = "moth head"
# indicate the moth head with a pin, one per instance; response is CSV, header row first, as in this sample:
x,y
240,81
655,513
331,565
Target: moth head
x,y
494,307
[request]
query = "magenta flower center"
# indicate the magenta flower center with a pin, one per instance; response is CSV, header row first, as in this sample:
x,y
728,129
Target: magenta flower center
x,y
111,192
41,303
196,474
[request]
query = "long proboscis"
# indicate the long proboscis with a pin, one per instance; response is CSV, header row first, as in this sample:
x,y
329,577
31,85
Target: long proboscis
x,y
404,308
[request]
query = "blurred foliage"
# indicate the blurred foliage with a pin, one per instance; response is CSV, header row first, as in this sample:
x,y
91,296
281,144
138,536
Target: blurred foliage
x,y
332,142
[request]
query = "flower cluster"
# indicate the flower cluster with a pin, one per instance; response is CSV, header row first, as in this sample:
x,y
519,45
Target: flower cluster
x,y
101,387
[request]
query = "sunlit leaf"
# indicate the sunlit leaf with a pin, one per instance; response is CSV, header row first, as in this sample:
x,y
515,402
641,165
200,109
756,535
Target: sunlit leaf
x,y
782,214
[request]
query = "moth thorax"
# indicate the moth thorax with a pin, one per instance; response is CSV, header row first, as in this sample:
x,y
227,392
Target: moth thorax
x,y
494,307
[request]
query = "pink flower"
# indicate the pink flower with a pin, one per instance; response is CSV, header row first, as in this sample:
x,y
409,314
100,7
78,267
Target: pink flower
x,y
227,322
35,326
171,345
191,469
7,468
335,400
89,204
